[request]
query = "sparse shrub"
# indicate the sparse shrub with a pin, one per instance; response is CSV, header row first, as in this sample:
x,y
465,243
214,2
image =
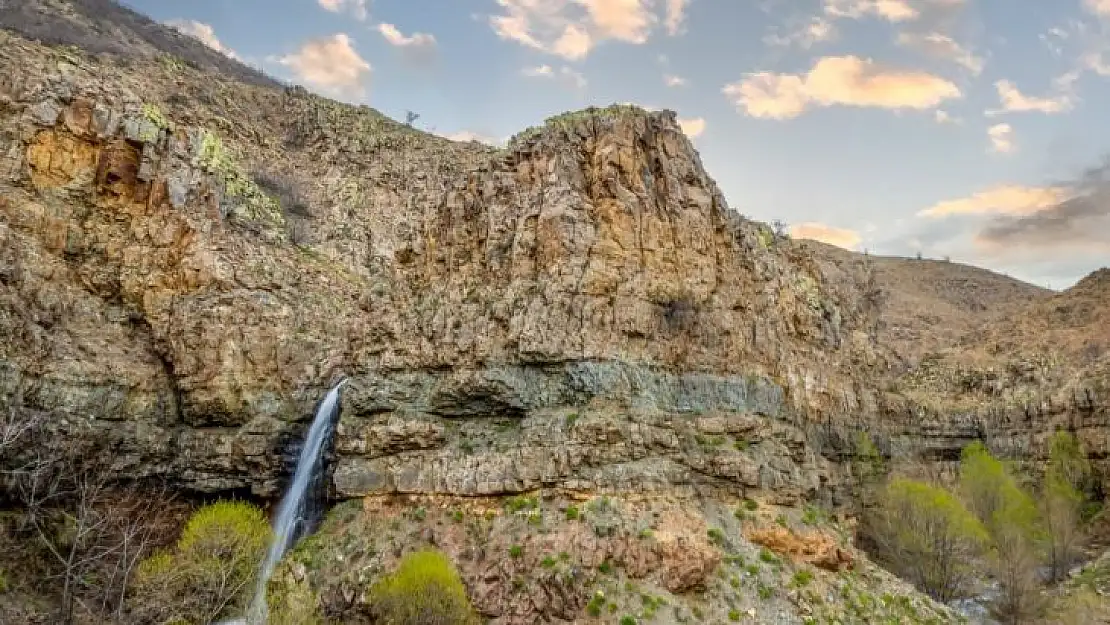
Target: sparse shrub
x,y
751,505
516,551
210,572
752,569
548,562
425,589
802,577
768,557
572,513
646,533
571,419
628,619
605,567
597,602
734,615
812,515
781,520
741,445
716,536
521,503
420,514
765,592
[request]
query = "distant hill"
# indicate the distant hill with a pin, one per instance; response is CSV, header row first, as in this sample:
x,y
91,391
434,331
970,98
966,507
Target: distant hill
x,y
103,26
932,304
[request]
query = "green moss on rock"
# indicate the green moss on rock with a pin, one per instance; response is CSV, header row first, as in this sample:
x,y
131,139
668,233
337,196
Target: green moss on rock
x,y
247,201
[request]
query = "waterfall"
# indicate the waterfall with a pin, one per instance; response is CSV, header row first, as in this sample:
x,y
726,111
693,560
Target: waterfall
x,y
292,511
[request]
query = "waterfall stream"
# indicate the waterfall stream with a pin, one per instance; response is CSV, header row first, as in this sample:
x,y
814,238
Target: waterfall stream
x,y
292,512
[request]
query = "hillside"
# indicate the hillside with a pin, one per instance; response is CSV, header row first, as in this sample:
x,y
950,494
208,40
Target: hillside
x,y
107,27
571,365
932,304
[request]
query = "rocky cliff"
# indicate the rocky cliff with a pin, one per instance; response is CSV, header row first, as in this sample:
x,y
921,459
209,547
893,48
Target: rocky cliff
x,y
187,270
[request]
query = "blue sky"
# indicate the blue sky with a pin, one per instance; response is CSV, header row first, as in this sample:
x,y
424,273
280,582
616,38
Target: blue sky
x,y
950,127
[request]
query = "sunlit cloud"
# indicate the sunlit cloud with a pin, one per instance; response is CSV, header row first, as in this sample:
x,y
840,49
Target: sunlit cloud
x,y
843,81
999,200
203,33
840,237
1001,137
330,64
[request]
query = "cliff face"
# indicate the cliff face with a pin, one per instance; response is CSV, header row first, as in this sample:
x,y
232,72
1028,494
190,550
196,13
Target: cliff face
x,y
186,271
189,261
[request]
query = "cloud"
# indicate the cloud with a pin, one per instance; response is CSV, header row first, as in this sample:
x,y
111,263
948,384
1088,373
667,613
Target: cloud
x,y
1002,138
675,19
203,33
692,127
572,28
890,10
840,237
999,200
417,47
1098,7
1078,221
330,64
673,81
941,46
838,80
1014,101
565,74
815,30
944,117
466,136
357,8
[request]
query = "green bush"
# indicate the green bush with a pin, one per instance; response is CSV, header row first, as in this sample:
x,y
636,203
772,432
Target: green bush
x,y
572,513
210,572
425,589
926,535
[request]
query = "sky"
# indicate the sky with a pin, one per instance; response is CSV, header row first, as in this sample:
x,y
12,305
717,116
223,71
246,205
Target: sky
x,y
974,130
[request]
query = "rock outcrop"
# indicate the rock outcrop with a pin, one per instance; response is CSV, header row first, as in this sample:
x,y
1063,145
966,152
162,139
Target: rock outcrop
x,y
188,262
174,280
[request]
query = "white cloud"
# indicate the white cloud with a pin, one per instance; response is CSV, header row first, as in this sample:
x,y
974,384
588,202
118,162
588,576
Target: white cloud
x,y
330,64
202,32
890,10
840,237
816,30
944,117
1002,138
942,46
357,8
417,47
466,136
675,19
673,81
572,28
844,81
999,200
692,127
1014,101
565,74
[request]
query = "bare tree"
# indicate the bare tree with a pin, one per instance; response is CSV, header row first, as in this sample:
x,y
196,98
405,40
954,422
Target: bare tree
x,y
91,531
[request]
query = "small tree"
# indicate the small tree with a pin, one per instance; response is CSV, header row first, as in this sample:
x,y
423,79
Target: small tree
x,y
927,536
206,574
1062,502
1012,520
424,590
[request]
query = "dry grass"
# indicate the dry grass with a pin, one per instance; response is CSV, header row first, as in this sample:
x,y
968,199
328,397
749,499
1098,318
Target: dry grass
x,y
931,304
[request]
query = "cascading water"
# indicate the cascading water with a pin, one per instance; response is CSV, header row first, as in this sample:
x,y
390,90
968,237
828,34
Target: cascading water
x,y
292,511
